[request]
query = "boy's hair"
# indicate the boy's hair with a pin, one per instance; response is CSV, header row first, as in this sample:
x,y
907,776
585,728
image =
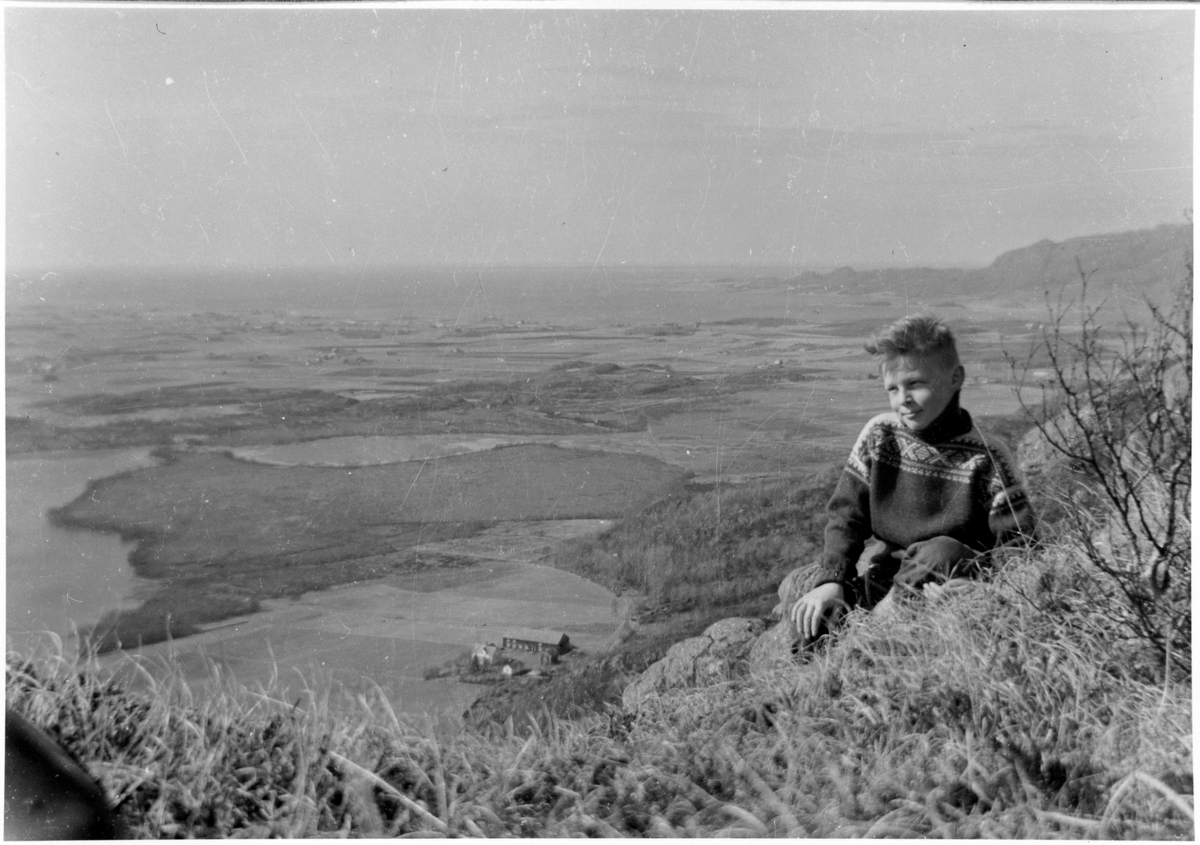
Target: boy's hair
x,y
915,335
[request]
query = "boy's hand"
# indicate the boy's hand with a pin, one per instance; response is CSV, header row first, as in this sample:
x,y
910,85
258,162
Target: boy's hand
x,y
811,609
940,554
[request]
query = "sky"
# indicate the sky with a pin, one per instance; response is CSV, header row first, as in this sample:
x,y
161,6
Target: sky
x,y
149,136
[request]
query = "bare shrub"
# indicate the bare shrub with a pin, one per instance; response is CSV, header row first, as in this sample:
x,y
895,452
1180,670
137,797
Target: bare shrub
x,y
1116,416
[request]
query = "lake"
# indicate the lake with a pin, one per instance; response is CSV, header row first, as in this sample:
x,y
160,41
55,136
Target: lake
x,y
57,578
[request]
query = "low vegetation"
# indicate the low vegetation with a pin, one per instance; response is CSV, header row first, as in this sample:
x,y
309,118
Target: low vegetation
x,y
1053,701
708,548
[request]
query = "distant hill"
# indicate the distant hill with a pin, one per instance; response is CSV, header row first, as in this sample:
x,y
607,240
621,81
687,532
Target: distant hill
x,y
1149,261
1140,259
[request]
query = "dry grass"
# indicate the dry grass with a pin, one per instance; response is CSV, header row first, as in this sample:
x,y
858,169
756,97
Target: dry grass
x,y
981,717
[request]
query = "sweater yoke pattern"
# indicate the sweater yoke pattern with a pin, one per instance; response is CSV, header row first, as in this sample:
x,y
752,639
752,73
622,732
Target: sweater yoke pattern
x,y
959,460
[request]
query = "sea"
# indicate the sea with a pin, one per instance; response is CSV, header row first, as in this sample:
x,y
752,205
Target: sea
x,y
566,295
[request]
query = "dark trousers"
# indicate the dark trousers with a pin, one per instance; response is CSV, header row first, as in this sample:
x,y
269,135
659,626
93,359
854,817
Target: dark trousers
x,y
884,568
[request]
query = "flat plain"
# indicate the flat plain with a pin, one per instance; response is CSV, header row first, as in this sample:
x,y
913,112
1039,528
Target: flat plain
x,y
307,466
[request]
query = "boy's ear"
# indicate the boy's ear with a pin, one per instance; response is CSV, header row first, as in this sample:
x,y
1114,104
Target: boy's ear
x,y
959,376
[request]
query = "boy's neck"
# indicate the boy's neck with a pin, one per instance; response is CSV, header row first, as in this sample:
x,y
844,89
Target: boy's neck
x,y
952,422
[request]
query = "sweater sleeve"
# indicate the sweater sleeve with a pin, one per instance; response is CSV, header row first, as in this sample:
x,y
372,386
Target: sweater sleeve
x,y
1011,517
849,509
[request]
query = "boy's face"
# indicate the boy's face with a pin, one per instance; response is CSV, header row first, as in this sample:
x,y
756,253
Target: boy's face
x,y
920,387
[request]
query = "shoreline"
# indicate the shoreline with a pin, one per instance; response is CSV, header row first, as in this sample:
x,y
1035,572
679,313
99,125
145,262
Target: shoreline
x,y
276,532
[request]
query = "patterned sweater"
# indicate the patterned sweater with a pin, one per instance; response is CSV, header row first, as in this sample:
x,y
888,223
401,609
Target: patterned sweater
x,y
902,486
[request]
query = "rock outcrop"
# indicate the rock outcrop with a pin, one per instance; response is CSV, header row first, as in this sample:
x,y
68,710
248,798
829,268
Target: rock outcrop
x,y
727,649
720,653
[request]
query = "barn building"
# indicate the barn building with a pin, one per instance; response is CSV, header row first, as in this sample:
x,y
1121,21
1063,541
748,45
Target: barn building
x,y
539,642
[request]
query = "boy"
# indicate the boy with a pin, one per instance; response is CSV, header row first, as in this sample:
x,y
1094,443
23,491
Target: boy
x,y
924,496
